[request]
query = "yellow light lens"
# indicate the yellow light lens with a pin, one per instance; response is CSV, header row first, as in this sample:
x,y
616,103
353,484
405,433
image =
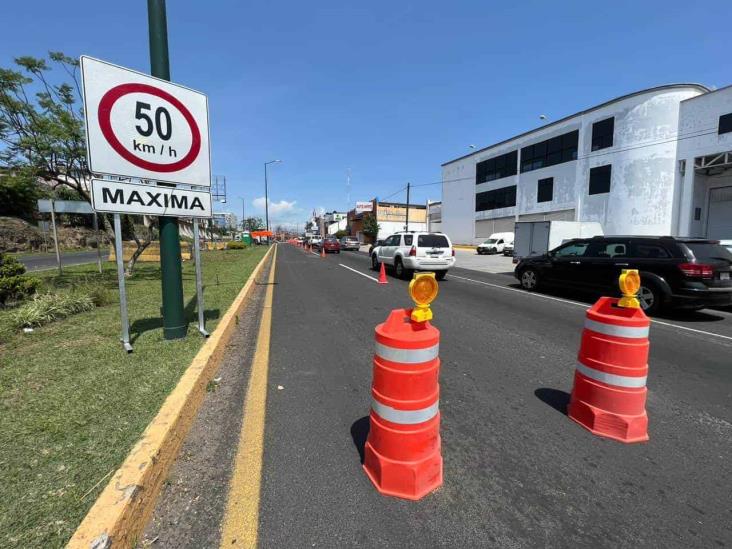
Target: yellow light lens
x,y
423,288
629,282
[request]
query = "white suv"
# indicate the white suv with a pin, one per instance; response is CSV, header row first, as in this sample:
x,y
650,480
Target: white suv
x,y
415,251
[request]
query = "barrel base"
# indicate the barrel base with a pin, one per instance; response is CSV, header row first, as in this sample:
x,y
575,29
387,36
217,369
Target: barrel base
x,y
403,479
620,427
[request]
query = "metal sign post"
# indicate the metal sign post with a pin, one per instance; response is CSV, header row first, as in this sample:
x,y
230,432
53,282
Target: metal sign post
x,y
121,282
55,238
99,250
199,281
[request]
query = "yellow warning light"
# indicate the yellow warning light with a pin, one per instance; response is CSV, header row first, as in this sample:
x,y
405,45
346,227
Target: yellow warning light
x,y
423,291
629,282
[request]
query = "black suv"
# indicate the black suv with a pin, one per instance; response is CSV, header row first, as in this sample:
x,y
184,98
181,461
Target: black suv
x,y
675,272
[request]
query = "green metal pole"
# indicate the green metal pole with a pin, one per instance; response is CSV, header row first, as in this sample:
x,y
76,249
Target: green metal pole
x,y
174,320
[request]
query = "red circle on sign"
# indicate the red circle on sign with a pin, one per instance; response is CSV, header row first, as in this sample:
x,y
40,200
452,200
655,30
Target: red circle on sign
x,y
104,114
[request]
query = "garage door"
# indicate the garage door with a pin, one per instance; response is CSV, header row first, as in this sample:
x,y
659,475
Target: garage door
x,y
485,228
559,215
719,221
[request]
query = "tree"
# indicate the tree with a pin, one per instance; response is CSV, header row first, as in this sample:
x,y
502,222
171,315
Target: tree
x,y
253,224
19,192
42,130
370,226
341,233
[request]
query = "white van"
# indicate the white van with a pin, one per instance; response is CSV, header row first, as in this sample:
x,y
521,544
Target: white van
x,y
495,244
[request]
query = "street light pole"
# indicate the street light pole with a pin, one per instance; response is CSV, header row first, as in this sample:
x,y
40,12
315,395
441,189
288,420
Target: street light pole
x,y
266,195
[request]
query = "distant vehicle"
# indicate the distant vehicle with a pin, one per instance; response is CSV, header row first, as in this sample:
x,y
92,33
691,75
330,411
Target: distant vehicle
x,y
675,272
376,244
508,249
350,243
315,242
410,251
331,245
538,237
495,244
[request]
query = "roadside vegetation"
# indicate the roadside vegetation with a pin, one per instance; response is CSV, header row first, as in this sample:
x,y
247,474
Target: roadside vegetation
x,y
72,403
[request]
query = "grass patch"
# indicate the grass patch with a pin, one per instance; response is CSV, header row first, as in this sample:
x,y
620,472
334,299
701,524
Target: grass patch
x,y
72,403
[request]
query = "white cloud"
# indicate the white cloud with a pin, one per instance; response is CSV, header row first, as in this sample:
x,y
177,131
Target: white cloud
x,y
275,208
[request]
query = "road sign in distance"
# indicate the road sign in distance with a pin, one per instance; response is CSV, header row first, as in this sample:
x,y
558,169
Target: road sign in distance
x,y
143,127
65,206
133,198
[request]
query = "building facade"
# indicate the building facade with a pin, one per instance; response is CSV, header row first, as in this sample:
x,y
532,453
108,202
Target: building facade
x,y
617,164
391,217
224,220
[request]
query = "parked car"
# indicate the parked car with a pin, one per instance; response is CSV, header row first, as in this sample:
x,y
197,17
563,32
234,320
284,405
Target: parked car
x,y
315,242
331,245
350,243
508,249
727,244
675,272
495,244
375,245
413,251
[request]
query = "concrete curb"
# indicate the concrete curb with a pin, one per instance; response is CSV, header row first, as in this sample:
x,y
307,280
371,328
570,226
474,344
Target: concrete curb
x,y
464,247
122,510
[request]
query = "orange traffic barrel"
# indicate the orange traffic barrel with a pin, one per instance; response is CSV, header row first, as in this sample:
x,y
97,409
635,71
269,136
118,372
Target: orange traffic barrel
x,y
609,393
402,453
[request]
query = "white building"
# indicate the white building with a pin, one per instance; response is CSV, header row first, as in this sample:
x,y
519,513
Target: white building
x,y
639,164
703,197
224,220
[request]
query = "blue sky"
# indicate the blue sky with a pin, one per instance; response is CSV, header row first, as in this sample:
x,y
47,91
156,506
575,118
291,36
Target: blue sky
x,y
388,89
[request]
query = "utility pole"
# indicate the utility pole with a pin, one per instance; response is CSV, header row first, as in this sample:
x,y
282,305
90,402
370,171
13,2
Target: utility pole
x,y
348,189
174,320
407,223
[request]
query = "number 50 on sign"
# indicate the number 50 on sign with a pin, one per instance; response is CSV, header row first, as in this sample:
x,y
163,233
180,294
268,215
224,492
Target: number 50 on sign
x,y
143,127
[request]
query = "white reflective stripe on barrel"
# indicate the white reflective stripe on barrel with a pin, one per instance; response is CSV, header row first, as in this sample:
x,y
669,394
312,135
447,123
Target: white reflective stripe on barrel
x,y
611,379
405,417
615,330
407,356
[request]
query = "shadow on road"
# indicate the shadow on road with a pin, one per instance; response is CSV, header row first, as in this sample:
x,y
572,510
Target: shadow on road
x,y
559,400
359,433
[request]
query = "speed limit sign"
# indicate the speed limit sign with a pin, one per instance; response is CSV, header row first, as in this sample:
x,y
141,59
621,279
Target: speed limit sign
x,y
143,127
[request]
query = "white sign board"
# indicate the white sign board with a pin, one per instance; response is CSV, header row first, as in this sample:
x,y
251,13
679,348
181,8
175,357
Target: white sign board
x,y
364,207
65,206
132,198
143,127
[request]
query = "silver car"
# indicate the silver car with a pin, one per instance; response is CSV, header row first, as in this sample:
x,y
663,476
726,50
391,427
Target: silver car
x,y
350,243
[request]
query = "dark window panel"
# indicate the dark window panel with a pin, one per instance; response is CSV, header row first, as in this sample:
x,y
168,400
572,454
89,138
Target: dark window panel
x,y
556,150
602,134
545,190
725,123
600,179
504,197
496,168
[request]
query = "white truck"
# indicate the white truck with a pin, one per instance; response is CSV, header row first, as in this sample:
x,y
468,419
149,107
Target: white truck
x,y
495,244
538,237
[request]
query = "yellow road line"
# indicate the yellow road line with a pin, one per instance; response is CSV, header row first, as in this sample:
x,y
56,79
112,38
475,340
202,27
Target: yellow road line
x,y
241,519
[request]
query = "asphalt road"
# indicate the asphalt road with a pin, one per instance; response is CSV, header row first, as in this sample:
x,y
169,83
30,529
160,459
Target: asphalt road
x,y
517,471
40,262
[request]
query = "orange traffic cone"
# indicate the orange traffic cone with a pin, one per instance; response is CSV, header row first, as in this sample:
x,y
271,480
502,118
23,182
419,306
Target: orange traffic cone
x,y
322,251
382,275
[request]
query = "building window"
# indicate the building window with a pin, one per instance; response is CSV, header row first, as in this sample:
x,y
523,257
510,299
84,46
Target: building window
x,y
557,150
600,179
504,197
545,190
496,168
725,123
697,214
602,134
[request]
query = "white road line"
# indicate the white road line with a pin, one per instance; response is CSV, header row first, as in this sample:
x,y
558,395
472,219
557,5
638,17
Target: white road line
x,y
358,272
585,305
